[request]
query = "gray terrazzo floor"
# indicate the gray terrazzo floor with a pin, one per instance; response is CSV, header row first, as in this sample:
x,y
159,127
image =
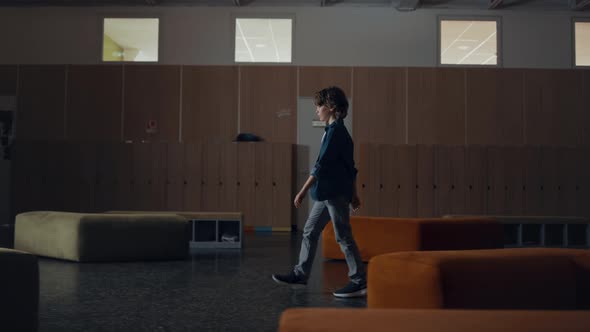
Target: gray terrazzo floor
x,y
213,290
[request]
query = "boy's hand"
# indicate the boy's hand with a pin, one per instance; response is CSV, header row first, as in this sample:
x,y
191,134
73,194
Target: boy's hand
x,y
299,198
355,203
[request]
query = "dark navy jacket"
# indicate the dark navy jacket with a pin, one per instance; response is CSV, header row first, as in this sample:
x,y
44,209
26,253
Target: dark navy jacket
x,y
334,169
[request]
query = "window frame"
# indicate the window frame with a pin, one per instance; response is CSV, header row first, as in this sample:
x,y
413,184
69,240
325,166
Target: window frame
x,y
279,16
574,59
129,16
499,39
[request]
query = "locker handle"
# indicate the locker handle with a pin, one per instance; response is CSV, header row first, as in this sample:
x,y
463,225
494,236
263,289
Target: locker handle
x,y
399,186
452,187
434,186
238,183
541,188
417,187
149,182
523,188
221,183
558,187
380,186
470,187
274,184
202,182
185,182
255,184
489,188
505,188
363,185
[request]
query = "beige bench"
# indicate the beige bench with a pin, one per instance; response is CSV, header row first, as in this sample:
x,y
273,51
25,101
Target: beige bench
x,y
102,237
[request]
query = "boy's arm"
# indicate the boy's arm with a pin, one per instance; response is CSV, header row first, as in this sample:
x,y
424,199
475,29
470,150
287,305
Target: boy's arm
x,y
301,195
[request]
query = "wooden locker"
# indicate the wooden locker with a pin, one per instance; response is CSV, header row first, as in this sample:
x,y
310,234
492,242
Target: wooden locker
x,y
363,176
475,179
125,200
193,176
211,177
550,180
372,190
457,181
515,180
246,176
583,182
282,179
106,177
56,176
175,175
408,180
141,175
157,176
567,191
263,184
389,180
228,193
496,184
425,179
533,197
442,180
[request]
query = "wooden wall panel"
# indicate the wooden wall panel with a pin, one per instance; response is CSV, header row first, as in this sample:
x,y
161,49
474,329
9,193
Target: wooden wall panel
x,y
458,185
389,179
94,103
313,79
408,180
157,176
554,106
246,179
583,182
475,179
210,191
209,103
282,178
124,195
494,106
193,159
228,193
41,102
368,178
8,79
379,105
436,106
176,175
425,179
152,92
55,176
268,102
443,164
263,184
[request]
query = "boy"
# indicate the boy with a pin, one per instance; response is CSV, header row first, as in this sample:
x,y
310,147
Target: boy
x,y
333,188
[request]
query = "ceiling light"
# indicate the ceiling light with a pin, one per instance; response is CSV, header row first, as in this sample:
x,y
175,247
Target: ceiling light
x,y
260,45
463,47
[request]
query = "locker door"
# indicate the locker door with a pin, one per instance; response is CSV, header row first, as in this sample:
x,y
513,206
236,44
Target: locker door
x,y
425,181
475,180
282,175
263,184
457,181
228,193
246,176
408,180
175,175
389,179
442,180
193,176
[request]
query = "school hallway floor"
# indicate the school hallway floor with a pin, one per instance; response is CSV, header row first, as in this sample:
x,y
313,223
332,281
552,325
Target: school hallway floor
x,y
213,290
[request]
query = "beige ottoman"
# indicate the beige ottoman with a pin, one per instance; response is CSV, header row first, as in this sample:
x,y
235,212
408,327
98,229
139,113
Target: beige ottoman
x,y
102,237
19,291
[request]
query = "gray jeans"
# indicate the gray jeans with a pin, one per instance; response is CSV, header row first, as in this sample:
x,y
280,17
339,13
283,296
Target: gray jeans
x,y
321,213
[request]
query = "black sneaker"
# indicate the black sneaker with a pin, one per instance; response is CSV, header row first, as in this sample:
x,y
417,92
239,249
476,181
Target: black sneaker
x,y
289,279
352,290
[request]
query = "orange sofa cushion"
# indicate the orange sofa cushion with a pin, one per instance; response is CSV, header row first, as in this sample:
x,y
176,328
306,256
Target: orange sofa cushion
x,y
403,320
527,278
377,235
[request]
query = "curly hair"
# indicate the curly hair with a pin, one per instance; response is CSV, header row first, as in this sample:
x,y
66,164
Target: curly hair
x,y
333,97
